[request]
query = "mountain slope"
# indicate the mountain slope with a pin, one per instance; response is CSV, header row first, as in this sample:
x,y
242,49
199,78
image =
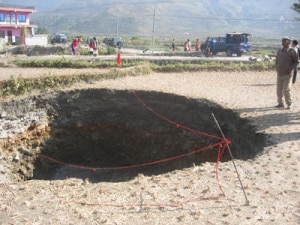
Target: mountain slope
x,y
172,17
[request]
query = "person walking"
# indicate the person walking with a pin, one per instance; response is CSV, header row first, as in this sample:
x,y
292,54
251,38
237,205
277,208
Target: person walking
x,y
189,45
173,45
295,45
286,62
198,44
207,47
91,46
95,46
186,46
74,45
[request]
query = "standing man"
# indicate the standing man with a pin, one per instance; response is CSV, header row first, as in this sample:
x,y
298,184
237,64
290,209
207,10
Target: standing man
x,y
95,46
189,43
207,47
286,62
173,45
295,45
198,45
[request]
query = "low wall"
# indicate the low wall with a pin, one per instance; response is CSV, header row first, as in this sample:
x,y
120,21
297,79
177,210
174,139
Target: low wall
x,y
2,42
41,40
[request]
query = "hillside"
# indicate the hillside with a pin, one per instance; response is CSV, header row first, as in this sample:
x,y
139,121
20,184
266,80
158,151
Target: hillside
x,y
173,18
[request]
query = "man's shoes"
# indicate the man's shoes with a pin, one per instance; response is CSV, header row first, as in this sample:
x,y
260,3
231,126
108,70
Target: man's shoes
x,y
289,106
279,106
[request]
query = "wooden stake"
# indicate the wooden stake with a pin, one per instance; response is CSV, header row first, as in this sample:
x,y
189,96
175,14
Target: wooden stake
x,y
232,159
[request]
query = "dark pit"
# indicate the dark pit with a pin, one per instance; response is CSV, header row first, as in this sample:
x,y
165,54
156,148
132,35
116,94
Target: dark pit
x,y
114,135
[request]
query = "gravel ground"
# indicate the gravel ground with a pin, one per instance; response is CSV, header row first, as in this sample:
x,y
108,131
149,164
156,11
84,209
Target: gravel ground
x,y
188,196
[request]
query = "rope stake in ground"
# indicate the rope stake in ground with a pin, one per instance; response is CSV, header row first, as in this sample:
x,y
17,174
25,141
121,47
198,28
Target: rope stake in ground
x,y
232,159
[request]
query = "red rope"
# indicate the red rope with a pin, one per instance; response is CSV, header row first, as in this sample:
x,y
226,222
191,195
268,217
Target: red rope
x,y
175,205
220,153
172,122
131,166
222,144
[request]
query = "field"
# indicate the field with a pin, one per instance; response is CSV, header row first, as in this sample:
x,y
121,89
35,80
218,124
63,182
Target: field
x,y
193,195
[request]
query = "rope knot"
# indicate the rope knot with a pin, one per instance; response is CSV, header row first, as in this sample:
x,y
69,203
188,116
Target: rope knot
x,y
228,142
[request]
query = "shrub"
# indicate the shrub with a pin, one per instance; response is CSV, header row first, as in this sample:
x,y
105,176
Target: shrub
x,y
111,50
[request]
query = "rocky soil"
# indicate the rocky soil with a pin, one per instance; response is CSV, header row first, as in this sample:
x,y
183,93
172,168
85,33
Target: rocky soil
x,y
186,195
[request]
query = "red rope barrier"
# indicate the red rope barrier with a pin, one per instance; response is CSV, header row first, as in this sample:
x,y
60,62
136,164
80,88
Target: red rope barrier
x,y
222,144
175,205
132,166
174,123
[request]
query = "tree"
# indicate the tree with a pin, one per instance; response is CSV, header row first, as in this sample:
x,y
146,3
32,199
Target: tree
x,y
23,32
42,30
296,7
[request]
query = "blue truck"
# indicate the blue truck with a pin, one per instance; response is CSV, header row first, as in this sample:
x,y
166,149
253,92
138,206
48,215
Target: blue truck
x,y
114,42
59,38
232,43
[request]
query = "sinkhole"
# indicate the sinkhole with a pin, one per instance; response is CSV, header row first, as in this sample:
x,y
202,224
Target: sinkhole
x,y
113,135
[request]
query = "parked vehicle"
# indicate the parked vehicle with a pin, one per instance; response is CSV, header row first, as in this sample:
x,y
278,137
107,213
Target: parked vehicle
x,y
59,38
233,43
114,42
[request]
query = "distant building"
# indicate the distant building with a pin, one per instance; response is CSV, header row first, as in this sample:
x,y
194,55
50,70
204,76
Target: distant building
x,y
13,20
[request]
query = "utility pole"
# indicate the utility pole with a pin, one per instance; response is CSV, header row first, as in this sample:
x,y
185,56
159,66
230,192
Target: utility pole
x,y
153,31
118,27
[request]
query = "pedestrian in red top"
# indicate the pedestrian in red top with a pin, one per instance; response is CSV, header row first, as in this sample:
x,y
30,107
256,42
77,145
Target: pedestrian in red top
x,y
74,45
91,46
94,47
